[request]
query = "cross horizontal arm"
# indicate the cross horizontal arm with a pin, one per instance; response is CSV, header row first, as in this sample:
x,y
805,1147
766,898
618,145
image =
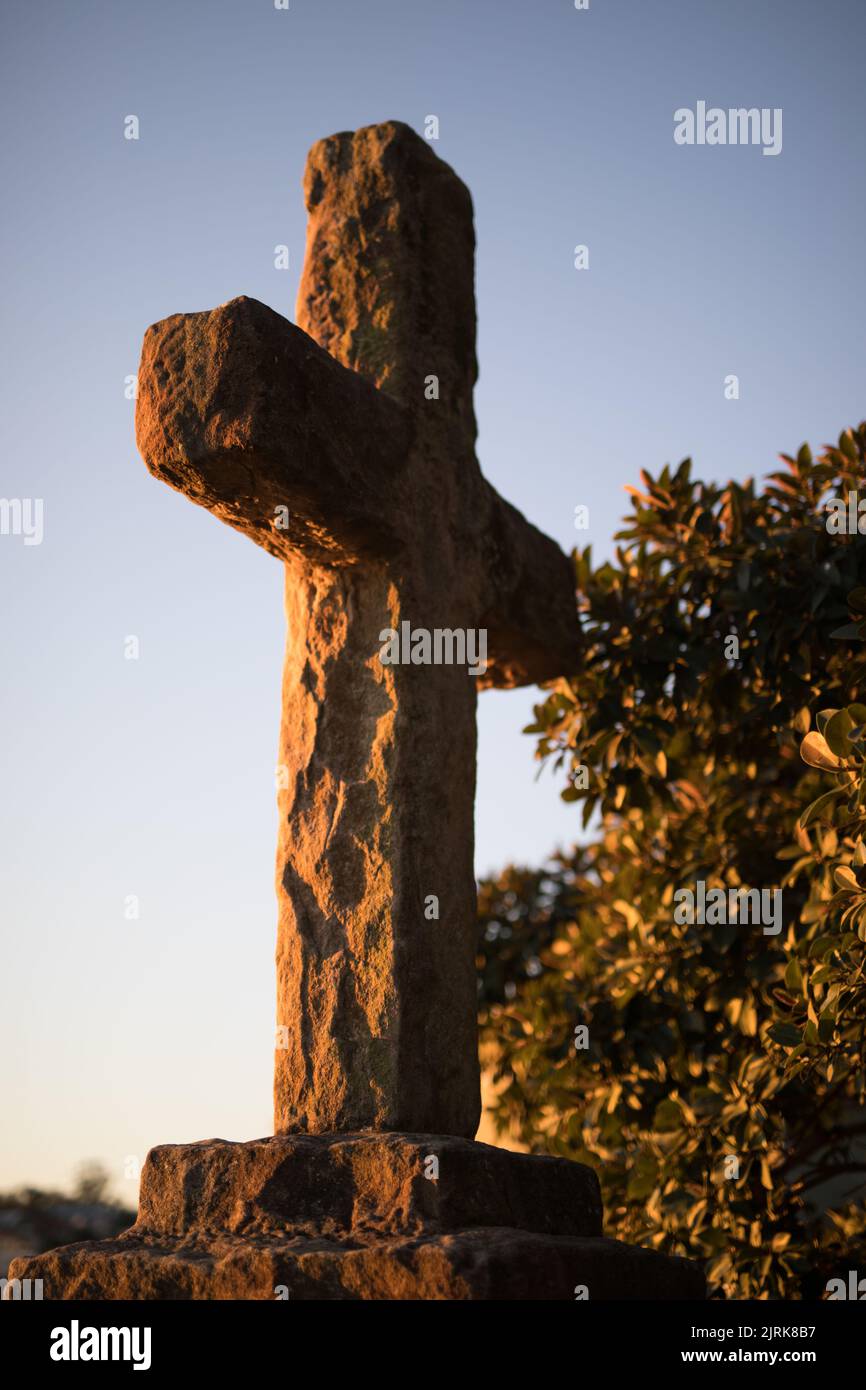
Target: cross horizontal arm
x,y
248,416
531,612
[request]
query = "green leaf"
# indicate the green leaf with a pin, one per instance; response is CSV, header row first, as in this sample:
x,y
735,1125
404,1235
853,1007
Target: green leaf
x,y
667,1116
836,733
845,879
822,807
785,1033
815,751
794,975
848,447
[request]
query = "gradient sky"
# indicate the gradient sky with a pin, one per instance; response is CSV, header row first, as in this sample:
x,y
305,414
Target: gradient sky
x,y
156,777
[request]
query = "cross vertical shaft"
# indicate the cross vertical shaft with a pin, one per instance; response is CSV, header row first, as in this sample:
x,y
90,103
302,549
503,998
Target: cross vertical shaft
x,y
377,1002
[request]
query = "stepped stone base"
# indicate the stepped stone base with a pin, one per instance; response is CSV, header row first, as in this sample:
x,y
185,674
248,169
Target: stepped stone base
x,y
360,1216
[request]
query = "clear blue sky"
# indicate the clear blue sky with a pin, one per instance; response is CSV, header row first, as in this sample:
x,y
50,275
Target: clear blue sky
x,y
155,777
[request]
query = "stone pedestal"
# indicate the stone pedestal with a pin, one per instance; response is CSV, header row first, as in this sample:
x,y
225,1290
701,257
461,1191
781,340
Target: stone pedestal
x,y
361,1216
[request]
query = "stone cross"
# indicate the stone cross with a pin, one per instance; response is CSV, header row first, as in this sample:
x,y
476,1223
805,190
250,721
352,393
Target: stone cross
x,y
345,447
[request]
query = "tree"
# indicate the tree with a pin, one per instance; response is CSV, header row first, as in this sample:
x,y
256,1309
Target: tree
x,y
91,1181
719,1085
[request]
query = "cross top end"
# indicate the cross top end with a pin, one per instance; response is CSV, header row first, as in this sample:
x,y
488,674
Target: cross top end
x,y
332,423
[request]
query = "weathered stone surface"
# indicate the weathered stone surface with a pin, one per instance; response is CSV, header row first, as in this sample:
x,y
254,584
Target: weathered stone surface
x,y
349,1183
355,1217
477,1264
244,413
390,521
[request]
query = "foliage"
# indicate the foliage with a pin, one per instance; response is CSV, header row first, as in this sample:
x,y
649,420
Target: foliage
x,y
706,1043
91,1182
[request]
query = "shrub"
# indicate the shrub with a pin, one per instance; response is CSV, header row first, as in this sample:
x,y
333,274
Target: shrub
x,y
721,1086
